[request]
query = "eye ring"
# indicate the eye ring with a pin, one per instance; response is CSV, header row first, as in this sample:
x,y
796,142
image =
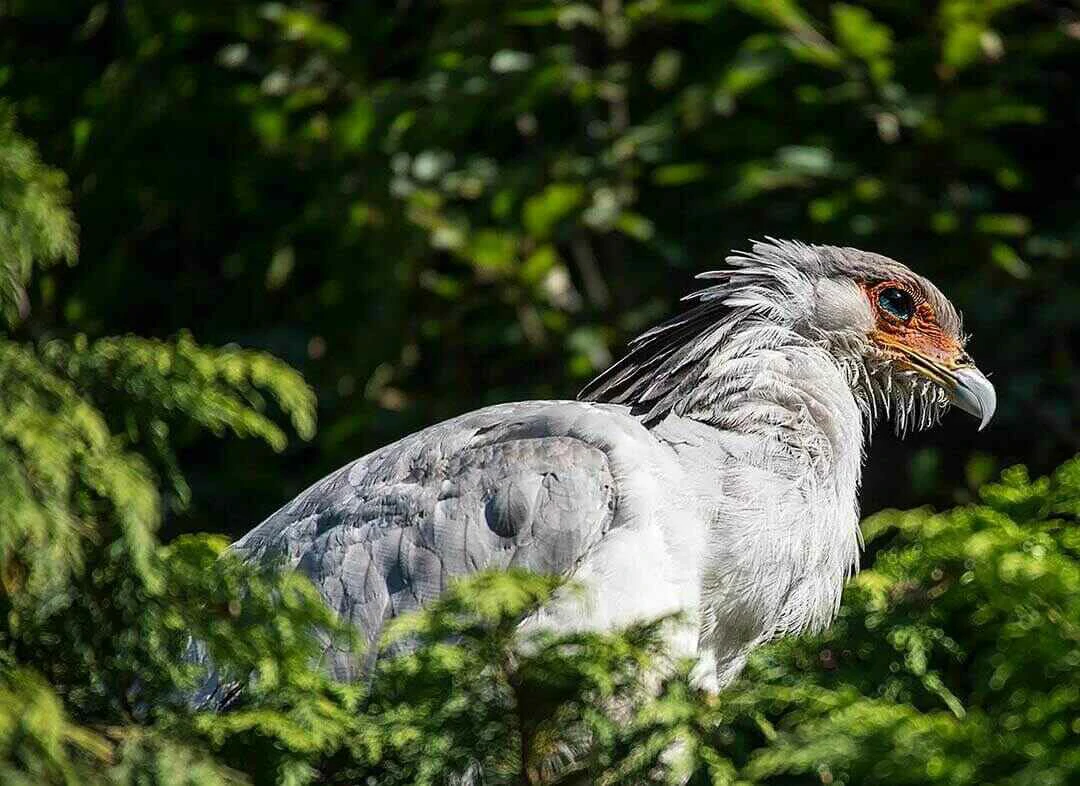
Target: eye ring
x,y
897,303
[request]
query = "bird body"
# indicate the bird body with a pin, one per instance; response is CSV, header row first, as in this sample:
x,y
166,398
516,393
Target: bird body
x,y
712,472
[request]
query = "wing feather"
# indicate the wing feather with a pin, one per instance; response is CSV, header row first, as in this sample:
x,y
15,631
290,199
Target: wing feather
x,y
513,485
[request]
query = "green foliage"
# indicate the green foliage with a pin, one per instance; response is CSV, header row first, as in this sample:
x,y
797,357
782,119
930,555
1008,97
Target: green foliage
x,y
165,383
35,225
37,740
481,694
70,474
97,615
960,643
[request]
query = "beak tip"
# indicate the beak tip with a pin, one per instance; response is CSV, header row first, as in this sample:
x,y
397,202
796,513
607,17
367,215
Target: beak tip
x,y
975,395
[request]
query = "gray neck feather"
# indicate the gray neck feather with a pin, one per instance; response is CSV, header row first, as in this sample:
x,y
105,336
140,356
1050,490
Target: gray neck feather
x,y
767,388
771,440
769,422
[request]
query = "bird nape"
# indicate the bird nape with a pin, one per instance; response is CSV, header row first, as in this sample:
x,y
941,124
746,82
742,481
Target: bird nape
x,y
713,471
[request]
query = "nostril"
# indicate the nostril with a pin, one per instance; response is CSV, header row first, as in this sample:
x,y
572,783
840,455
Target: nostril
x,y
964,359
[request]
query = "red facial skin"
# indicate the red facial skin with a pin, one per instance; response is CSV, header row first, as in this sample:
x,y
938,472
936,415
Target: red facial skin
x,y
920,336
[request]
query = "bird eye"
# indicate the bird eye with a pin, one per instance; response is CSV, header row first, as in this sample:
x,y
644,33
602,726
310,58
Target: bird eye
x,y
897,302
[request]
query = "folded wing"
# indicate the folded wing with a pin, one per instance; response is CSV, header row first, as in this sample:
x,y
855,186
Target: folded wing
x,y
523,485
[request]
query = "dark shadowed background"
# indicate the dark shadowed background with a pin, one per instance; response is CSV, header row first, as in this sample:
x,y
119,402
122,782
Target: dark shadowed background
x,y
427,207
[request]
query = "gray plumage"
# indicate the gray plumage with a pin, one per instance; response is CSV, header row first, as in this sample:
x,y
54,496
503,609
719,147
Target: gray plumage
x,y
713,471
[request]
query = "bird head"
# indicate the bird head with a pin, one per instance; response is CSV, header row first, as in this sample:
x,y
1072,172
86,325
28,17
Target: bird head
x,y
896,337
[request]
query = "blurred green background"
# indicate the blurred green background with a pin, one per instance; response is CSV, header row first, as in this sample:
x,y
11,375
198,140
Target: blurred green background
x,y
425,207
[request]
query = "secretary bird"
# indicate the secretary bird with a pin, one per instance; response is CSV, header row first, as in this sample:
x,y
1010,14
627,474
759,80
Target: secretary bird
x,y
713,471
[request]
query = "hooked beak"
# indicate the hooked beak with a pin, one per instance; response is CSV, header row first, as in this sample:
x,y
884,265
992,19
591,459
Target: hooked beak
x,y
972,392
968,387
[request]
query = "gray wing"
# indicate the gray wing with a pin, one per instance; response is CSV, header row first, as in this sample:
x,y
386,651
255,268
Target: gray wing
x,y
526,485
